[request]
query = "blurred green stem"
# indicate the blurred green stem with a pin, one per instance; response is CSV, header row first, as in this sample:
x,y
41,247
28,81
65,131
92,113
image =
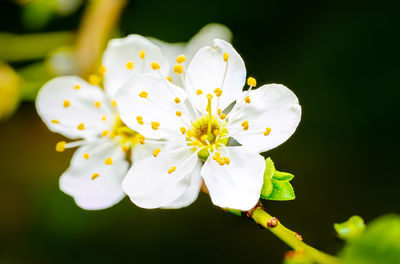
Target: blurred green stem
x,y
31,46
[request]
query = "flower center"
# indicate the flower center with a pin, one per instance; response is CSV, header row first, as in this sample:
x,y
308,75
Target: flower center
x,y
124,135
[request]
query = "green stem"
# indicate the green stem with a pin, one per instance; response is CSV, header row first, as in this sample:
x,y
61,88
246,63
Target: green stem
x,y
289,237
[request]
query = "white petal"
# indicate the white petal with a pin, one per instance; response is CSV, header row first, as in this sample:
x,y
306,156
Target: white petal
x,y
238,184
119,52
150,185
103,191
209,71
63,108
170,50
142,151
159,106
273,106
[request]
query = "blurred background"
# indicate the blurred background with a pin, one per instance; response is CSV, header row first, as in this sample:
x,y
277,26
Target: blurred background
x,y
341,60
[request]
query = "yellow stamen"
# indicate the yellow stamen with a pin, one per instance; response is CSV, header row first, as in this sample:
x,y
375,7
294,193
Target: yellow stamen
x,y
219,111
222,116
104,118
97,104
139,119
155,65
77,87
60,146
216,132
183,130
221,161
267,131
94,79
141,139
55,121
86,156
124,148
218,92
227,160
114,103
155,125
210,136
108,161
129,65
251,82
226,56
142,54
177,100
180,59
178,69
143,94
172,170
95,175
104,133
102,69
199,91
245,125
156,151
178,113
247,99
113,134
168,78
66,103
81,126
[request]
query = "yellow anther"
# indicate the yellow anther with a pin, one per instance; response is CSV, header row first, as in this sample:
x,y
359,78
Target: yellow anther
x,y
177,100
113,134
102,69
155,66
104,133
97,104
81,126
222,116
245,125
180,59
183,130
141,139
178,69
142,54
209,96
168,78
114,103
156,151
267,131
143,94
86,156
139,119
227,160
189,133
172,170
199,91
218,92
108,161
219,111
155,125
77,87
247,99
226,56
129,65
251,82
124,148
216,132
94,79
60,146
66,103
178,113
55,121
95,175
221,161
104,118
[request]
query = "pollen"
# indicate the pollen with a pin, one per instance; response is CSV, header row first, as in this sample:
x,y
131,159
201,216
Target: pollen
x,y
177,100
218,92
245,125
55,121
180,59
142,54
108,161
104,118
168,78
155,65
155,125
251,82
139,119
66,103
95,175
172,170
227,160
141,139
97,104
114,103
183,130
102,69
60,146
124,148
178,113
221,161
104,133
143,94
222,116
226,56
267,131
77,87
178,69
247,100
199,91
129,65
86,156
94,79
156,151
81,126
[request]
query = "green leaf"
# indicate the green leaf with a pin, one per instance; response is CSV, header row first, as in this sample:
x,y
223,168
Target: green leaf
x,y
351,228
379,243
276,184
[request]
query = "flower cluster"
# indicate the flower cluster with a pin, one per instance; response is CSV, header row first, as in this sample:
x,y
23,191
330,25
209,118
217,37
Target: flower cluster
x,y
180,126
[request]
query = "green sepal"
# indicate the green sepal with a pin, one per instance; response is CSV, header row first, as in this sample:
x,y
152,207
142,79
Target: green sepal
x,y
234,211
276,184
351,228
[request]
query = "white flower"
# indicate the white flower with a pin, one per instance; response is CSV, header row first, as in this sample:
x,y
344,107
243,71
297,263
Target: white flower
x,y
196,123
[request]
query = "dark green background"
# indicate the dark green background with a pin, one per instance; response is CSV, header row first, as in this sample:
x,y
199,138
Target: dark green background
x,y
342,61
